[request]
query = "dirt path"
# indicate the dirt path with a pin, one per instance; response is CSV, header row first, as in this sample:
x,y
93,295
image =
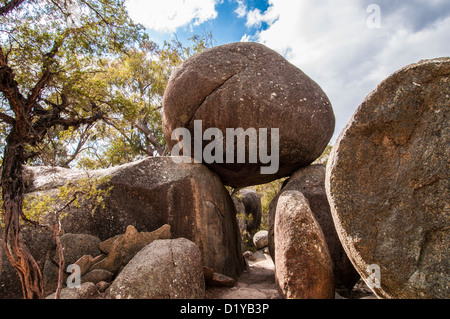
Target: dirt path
x,y
258,282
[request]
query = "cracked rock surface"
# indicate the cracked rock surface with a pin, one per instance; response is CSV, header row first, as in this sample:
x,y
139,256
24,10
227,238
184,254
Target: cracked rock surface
x,y
247,85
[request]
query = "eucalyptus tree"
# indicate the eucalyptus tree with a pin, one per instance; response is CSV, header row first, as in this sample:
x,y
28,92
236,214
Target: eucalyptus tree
x,y
50,50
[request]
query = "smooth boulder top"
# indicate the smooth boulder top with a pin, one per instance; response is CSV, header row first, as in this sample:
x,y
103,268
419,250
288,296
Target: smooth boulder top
x,y
388,183
247,85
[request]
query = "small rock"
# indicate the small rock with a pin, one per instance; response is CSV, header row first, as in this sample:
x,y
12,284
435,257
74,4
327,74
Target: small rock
x,y
97,275
261,239
208,273
219,280
249,255
85,263
77,245
259,255
102,286
106,245
86,291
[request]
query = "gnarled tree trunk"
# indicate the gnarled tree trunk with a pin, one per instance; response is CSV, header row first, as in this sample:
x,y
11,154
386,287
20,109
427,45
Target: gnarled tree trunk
x,y
13,194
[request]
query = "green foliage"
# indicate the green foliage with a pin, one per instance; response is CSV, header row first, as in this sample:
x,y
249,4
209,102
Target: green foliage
x,y
78,58
56,49
129,89
246,237
88,192
70,37
268,192
134,85
88,57
323,159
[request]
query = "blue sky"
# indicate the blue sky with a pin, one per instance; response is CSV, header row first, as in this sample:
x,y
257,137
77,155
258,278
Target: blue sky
x,y
346,46
226,27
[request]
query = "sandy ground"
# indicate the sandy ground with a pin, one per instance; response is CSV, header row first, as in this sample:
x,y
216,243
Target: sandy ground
x,y
258,282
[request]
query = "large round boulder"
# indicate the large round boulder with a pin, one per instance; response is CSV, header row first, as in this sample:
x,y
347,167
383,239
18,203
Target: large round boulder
x,y
248,86
388,184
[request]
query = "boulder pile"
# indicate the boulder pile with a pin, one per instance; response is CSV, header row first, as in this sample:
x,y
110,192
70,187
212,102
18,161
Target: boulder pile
x,y
168,227
125,267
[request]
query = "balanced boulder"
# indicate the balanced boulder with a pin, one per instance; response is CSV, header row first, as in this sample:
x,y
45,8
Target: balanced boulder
x,y
388,183
250,87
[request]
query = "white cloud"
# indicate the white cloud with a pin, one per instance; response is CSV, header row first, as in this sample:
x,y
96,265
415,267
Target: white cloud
x,y
255,18
169,15
331,42
246,38
241,10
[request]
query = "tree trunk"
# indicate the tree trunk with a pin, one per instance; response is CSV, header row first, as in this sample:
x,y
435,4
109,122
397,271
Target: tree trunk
x,y
13,194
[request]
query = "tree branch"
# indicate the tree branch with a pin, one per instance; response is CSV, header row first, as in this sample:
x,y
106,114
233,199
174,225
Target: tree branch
x,y
9,86
66,123
109,122
46,72
83,139
11,5
144,129
52,117
97,13
7,119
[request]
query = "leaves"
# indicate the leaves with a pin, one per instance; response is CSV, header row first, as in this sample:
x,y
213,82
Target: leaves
x,y
87,192
132,88
268,192
323,159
